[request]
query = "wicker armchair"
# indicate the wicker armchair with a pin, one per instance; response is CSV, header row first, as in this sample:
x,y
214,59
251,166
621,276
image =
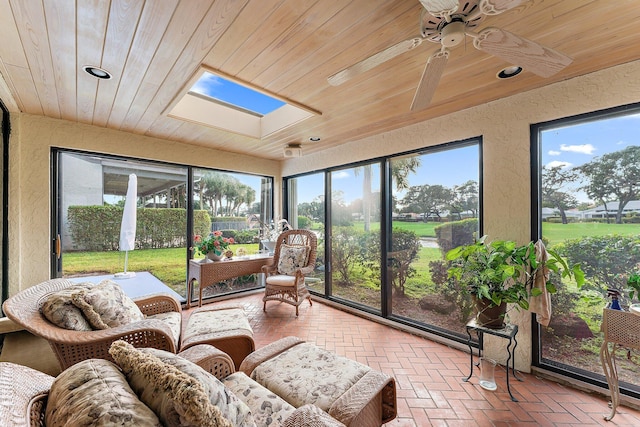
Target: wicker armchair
x,y
285,281
72,346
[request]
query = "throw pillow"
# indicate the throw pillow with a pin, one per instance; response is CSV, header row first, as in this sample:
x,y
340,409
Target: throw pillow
x,y
58,308
177,390
95,392
105,305
292,258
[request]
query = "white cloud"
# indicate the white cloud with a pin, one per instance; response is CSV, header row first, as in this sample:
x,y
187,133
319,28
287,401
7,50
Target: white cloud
x,y
554,153
340,175
206,84
557,163
584,148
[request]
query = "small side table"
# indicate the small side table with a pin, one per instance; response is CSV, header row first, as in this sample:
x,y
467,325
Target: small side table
x,y
207,274
509,332
621,329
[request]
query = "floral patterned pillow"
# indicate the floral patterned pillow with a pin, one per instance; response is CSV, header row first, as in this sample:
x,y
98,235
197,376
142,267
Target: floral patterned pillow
x,y
105,305
95,392
179,391
59,309
292,258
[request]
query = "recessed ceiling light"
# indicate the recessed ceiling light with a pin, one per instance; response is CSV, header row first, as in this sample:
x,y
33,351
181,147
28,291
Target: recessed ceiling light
x,y
97,72
314,138
508,72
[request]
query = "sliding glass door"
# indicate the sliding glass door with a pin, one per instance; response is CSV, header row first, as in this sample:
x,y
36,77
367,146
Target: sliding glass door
x,y
91,195
306,210
172,204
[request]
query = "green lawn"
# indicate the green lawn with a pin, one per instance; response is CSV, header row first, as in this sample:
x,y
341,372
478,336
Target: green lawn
x,y
168,265
422,229
557,233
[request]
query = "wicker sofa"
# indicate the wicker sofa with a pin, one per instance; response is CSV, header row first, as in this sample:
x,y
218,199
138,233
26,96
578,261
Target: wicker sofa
x,y
198,387
45,311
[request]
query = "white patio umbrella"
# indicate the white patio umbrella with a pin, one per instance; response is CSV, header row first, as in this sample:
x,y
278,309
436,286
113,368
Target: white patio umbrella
x,y
128,225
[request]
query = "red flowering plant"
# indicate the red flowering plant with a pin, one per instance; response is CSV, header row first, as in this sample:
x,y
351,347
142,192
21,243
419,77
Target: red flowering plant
x,y
215,243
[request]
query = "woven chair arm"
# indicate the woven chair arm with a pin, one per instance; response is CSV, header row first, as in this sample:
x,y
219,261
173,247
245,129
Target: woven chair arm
x,y
22,393
306,270
269,269
311,415
353,401
149,326
158,303
213,360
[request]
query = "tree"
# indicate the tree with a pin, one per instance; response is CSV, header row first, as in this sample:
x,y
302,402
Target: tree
x,y
400,170
465,199
429,199
614,176
553,180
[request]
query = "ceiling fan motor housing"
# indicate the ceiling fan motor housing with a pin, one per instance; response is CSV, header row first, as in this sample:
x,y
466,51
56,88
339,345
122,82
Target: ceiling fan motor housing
x,y
453,33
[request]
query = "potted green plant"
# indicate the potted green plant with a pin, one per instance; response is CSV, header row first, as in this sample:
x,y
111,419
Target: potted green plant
x,y
633,290
502,272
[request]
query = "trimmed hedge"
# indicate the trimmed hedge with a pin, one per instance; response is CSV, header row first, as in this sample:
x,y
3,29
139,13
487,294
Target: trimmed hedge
x,y
456,233
97,228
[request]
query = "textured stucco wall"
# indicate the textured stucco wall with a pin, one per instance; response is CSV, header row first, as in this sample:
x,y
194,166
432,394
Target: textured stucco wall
x,y
504,126
29,180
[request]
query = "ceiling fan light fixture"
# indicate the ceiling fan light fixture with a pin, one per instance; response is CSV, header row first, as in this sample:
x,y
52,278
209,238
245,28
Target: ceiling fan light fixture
x,y
508,72
97,72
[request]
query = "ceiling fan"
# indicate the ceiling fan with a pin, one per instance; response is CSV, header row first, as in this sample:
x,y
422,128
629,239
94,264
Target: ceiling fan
x,y
448,25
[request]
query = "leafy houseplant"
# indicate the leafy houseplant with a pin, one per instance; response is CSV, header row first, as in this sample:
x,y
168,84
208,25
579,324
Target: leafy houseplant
x,y
502,272
633,283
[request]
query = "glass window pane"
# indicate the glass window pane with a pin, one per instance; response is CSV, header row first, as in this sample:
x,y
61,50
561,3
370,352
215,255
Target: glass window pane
x,y
590,213
435,207
306,211
93,190
238,206
355,231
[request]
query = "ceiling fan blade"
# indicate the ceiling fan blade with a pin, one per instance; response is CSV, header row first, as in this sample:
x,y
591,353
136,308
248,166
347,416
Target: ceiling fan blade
x,y
496,7
429,80
440,8
374,60
525,53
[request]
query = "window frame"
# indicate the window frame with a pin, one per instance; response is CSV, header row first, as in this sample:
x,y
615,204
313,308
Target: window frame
x,y
536,130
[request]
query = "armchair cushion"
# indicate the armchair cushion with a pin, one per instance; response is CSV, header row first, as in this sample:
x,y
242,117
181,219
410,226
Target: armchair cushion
x,y
292,258
95,392
179,391
105,305
281,280
58,308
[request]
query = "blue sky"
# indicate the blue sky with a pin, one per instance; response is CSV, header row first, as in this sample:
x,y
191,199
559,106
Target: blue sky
x,y
568,146
436,168
233,93
575,145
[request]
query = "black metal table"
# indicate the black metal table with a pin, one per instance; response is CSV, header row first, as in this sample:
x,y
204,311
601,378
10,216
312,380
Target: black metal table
x,y
508,332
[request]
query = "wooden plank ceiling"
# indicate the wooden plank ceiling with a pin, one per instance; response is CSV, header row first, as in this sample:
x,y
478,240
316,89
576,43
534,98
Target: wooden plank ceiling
x,y
288,47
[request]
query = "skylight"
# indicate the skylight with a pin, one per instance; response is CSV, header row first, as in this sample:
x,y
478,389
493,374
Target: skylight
x,y
234,94
213,99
